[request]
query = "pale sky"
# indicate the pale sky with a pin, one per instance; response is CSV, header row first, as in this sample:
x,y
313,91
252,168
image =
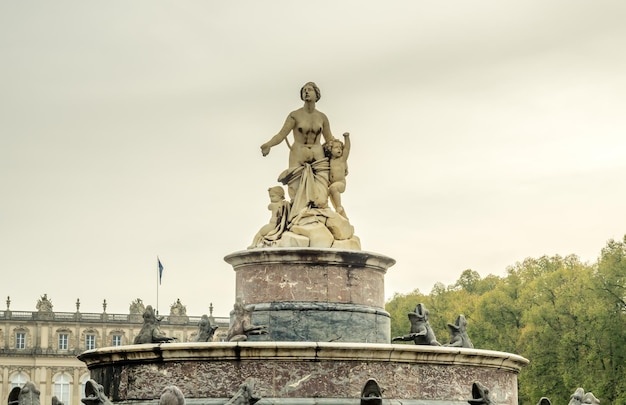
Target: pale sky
x,y
483,132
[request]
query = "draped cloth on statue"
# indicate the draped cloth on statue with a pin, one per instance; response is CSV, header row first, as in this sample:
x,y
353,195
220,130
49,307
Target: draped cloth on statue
x,y
308,185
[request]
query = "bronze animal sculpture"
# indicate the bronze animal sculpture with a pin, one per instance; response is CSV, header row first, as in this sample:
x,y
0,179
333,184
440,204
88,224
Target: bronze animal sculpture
x,y
26,395
94,394
172,395
480,395
371,393
205,330
242,326
150,332
421,332
55,401
544,401
246,395
458,333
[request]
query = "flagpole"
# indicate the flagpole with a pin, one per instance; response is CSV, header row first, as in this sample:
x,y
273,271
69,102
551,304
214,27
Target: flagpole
x,y
157,280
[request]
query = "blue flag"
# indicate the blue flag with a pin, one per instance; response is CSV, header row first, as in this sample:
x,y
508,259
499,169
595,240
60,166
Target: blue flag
x,y
160,270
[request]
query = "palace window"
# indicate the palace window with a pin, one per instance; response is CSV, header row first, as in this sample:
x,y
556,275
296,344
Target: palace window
x,y
18,380
90,342
20,340
117,340
63,341
62,388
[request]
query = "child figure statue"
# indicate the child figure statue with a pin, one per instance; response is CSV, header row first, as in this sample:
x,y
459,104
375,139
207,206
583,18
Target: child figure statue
x,y
273,230
337,152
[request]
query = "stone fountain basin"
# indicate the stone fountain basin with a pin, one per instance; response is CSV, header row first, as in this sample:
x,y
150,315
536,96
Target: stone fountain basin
x,y
303,372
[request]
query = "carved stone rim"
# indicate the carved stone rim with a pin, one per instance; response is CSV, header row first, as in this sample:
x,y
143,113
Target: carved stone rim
x,y
301,351
310,256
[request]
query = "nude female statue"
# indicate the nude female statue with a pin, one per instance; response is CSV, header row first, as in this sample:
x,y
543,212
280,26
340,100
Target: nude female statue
x,y
308,174
307,124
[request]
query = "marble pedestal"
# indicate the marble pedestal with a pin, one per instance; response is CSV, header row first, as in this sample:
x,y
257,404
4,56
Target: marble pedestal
x,y
314,295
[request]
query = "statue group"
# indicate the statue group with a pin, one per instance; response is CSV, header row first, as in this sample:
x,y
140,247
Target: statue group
x,y
316,173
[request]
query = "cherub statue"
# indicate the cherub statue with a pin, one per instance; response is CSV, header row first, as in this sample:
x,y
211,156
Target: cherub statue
x,y
205,330
246,395
458,333
421,332
273,230
94,394
242,326
150,332
337,153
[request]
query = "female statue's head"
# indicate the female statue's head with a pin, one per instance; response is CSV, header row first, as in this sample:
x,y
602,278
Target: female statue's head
x,y
318,93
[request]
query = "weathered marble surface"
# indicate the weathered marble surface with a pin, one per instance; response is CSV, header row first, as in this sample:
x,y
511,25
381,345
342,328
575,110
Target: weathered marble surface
x,y
322,322
310,275
301,370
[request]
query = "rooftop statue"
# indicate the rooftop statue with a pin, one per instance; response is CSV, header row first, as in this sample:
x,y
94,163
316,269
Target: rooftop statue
x,y
421,333
137,307
315,173
178,309
44,304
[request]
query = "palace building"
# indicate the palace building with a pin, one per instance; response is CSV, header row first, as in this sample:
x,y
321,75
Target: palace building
x,y
41,346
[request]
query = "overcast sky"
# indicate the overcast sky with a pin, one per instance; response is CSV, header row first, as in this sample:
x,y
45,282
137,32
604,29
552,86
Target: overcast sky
x,y
483,132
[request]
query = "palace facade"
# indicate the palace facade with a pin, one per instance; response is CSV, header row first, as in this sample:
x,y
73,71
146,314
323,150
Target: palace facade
x,y
41,346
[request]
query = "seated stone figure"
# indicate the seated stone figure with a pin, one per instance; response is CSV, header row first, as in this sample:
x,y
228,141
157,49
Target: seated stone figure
x,y
421,333
458,333
205,330
94,394
150,331
242,326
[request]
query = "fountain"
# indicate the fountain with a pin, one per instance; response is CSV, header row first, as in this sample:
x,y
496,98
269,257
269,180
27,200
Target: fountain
x,y
309,325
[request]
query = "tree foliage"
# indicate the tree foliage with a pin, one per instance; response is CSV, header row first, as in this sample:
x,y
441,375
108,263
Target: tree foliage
x,y
567,317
